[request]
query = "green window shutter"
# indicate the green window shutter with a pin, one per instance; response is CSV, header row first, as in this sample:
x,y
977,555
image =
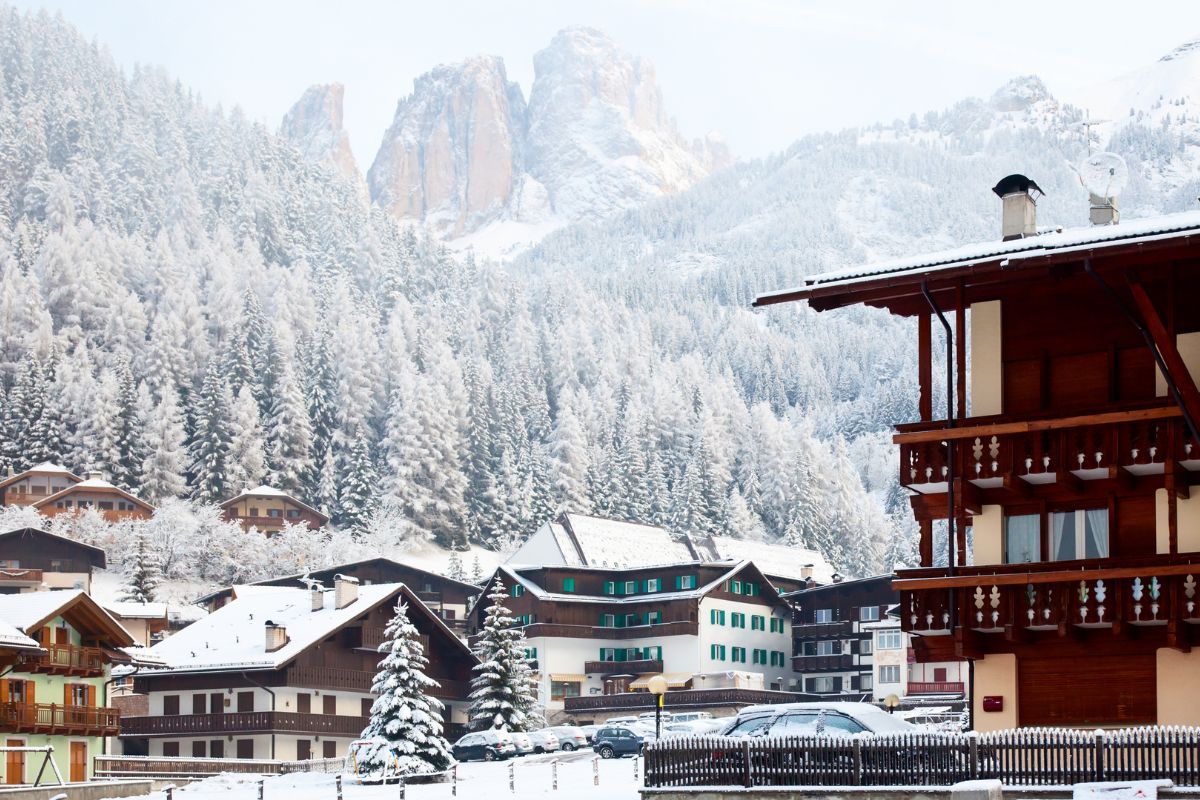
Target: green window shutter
x,y
568,584
678,581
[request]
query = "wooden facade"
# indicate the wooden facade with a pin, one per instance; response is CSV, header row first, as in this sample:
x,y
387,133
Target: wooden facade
x,y
268,510
36,483
112,502
32,559
1067,468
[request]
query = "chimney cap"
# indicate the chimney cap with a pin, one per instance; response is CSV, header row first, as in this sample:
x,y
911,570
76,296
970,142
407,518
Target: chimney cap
x,y
1016,183
346,578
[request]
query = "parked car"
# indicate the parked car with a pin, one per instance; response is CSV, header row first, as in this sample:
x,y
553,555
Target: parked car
x,y
570,738
484,746
544,741
590,732
621,721
522,742
613,741
828,719
648,717
691,716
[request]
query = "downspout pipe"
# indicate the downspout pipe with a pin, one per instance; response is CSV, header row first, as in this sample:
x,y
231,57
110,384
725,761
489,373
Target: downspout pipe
x,y
268,690
1172,387
950,505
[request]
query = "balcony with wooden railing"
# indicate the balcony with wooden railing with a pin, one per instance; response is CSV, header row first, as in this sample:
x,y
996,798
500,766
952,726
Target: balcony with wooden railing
x,y
59,720
998,457
823,663
637,667
916,688
12,576
243,722
65,659
1016,599
355,680
680,700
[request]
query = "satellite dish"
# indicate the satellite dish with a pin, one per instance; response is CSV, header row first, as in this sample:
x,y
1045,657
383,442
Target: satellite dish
x,y
1104,175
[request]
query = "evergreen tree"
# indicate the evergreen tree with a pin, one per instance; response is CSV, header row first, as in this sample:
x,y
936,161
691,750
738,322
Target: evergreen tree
x,y
212,440
455,568
356,498
503,691
405,730
476,571
247,450
143,575
289,435
131,442
163,470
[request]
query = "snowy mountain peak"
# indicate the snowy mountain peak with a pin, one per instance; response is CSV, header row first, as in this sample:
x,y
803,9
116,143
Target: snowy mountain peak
x,y
314,126
1184,50
1020,93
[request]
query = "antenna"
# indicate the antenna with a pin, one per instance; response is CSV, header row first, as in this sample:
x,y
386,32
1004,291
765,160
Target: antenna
x,y
1089,123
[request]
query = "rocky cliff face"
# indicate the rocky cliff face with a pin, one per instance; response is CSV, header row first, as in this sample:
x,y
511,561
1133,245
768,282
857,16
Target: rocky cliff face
x,y
314,125
465,154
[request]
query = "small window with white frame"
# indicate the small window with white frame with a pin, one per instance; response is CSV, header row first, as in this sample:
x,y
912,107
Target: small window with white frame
x,y
889,673
868,614
888,640
823,615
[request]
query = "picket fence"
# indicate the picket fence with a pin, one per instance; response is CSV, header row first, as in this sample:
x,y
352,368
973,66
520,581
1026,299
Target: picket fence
x,y
1026,757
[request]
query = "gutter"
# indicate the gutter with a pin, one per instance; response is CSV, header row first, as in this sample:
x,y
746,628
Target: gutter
x,y
269,691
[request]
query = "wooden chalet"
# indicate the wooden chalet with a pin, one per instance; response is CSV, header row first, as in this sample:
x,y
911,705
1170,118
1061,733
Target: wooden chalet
x,y
57,693
269,509
285,673
32,560
1067,459
446,597
718,632
36,483
114,503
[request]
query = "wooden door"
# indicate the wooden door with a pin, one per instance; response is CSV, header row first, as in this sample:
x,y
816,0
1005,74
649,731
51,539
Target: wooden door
x,y
78,762
304,703
329,705
303,749
939,674
62,636
14,766
245,748
245,702
1092,690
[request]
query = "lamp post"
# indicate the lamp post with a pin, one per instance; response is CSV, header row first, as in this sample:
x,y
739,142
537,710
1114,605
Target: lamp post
x,y
891,701
657,687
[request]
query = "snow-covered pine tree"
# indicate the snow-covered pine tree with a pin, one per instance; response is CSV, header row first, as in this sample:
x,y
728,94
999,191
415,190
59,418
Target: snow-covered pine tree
x,y
356,498
212,439
476,571
143,574
165,464
131,442
288,433
405,731
455,568
503,691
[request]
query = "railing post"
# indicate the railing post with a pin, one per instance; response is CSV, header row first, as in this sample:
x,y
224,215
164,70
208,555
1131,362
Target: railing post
x,y
1100,767
454,780
636,756
554,775
337,779
596,771
403,788
261,784
747,778
512,779
858,761
974,744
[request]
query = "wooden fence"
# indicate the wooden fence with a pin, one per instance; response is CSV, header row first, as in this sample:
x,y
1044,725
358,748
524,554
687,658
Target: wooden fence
x,y
172,767
1028,757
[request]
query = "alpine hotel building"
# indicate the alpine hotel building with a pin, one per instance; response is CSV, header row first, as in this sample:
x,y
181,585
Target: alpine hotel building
x,y
1067,460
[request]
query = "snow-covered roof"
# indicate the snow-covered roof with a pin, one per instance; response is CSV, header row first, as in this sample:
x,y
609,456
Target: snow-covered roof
x,y
96,555
598,542
30,610
262,490
233,636
784,561
1016,250
93,484
44,468
12,637
131,610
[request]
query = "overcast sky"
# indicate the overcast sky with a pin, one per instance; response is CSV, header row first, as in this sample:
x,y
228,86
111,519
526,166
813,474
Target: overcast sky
x,y
761,72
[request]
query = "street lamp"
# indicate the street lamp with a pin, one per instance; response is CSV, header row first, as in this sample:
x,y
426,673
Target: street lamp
x,y
658,687
891,701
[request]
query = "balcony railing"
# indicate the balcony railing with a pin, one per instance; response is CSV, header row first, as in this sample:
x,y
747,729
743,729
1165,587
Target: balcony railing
x,y
53,719
827,663
245,722
994,453
821,630
679,700
935,687
623,667
10,576
66,659
1054,596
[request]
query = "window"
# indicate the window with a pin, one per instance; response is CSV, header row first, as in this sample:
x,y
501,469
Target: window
x,y
752,727
171,705
716,616
653,652
516,590
530,653
866,682
760,656
1022,539
866,646
828,647
293,513
737,620
822,685
716,652
750,589
889,673
608,654
836,722
735,587
778,658
1079,534
868,614
275,513
106,505
525,619
685,581
568,584
653,617
631,620
561,689
654,584
758,623
608,620
610,588
889,640
823,615
630,587
776,625
253,511
738,655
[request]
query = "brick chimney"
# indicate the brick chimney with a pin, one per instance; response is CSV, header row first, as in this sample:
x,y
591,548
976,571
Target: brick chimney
x,y
318,598
1018,206
345,590
276,636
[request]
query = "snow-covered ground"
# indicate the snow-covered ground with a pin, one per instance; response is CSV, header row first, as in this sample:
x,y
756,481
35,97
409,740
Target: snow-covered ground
x,y
532,775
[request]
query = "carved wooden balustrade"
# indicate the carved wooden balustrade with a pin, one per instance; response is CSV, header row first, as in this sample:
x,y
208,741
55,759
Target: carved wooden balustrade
x,y
1154,591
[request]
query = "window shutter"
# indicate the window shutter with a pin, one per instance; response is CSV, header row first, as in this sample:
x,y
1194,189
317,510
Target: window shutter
x,y
29,692
4,692
66,694
91,701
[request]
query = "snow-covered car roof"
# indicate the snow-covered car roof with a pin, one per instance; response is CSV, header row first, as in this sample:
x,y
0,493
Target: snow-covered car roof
x,y
872,717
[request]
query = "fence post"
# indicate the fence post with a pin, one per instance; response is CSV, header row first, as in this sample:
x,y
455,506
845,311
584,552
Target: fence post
x,y
261,784
974,744
454,780
747,780
169,791
636,756
403,788
337,780
1100,766
858,761
596,770
512,778
554,775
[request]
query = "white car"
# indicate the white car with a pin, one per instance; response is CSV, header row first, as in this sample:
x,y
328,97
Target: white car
x,y
803,719
544,741
569,737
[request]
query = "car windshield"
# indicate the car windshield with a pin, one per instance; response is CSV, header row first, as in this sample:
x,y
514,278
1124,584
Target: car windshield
x,y
754,726
803,723
837,725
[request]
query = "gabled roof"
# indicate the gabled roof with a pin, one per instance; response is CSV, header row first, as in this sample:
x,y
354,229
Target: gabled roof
x,y
270,491
95,485
232,638
783,561
44,468
30,611
11,638
1006,255
95,554
587,541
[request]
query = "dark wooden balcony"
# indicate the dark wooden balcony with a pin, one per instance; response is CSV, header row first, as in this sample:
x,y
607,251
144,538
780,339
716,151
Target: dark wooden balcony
x,y
1014,599
623,667
827,663
681,628
245,722
679,700
935,687
355,680
11,576
999,458
821,630
59,720
66,659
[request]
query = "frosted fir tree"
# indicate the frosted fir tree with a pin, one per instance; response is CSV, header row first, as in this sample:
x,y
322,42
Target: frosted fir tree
x,y
405,731
144,573
166,461
212,440
503,691
476,571
356,502
455,568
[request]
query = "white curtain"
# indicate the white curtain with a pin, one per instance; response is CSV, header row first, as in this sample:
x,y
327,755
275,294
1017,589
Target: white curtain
x,y
1096,543
1023,536
1062,536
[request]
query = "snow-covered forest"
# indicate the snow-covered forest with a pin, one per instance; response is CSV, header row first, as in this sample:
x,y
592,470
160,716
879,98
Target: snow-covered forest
x,y
191,308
